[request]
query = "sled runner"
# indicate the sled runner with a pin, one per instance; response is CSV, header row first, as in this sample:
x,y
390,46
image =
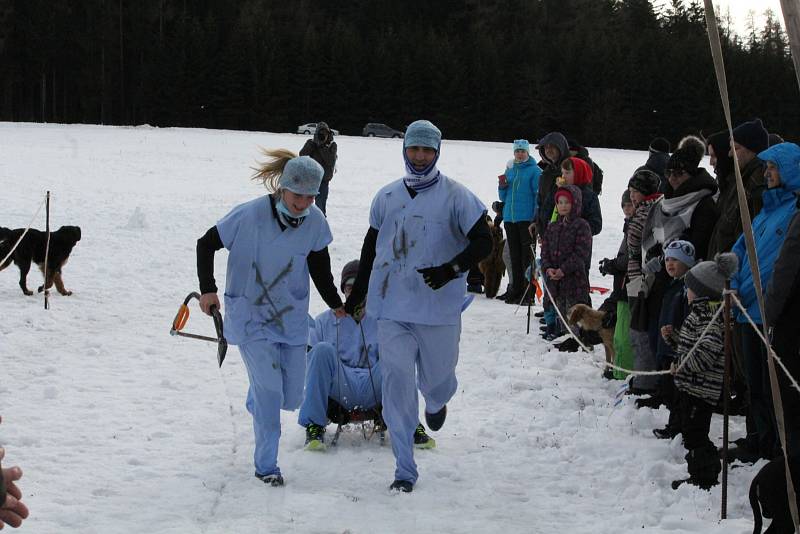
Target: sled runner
x,y
342,417
183,316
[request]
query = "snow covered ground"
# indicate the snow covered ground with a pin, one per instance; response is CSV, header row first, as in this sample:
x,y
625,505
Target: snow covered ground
x,y
121,428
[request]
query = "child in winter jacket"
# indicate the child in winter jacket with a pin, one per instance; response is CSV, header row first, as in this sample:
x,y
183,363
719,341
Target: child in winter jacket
x,y
643,186
678,259
699,373
566,248
575,171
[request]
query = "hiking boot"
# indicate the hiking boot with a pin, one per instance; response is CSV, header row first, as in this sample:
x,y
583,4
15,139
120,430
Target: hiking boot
x,y
423,440
569,345
654,402
436,420
315,438
273,480
401,486
608,373
539,314
474,288
664,433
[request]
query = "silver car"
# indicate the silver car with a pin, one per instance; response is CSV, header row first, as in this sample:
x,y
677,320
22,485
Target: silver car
x,y
311,128
376,129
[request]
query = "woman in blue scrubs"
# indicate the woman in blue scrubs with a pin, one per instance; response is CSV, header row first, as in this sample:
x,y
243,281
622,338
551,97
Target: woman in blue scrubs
x,y
274,242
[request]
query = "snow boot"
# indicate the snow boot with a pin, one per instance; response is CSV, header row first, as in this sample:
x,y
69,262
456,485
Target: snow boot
x,y
272,480
436,420
401,486
570,345
422,440
654,401
665,433
704,466
475,288
315,438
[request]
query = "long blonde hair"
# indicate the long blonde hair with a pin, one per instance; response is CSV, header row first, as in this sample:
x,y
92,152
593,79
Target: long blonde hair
x,y
269,172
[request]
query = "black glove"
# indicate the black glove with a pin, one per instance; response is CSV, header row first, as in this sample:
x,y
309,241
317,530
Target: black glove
x,y
606,266
354,309
610,319
436,277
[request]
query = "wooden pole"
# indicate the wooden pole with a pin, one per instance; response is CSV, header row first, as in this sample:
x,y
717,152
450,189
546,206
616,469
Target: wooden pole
x,y
791,19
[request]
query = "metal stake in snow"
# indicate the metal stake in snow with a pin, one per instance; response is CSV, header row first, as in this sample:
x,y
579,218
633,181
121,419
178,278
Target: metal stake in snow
x,y
47,252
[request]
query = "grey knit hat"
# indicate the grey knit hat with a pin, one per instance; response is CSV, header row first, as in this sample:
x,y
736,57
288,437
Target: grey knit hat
x,y
349,273
707,278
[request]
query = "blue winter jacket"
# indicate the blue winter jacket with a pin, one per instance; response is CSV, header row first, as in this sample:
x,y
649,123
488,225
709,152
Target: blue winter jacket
x,y
769,227
520,194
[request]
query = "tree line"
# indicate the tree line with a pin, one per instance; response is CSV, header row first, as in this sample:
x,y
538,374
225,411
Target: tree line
x,y
609,73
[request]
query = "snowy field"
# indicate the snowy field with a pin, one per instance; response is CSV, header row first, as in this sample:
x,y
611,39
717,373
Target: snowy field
x,y
121,428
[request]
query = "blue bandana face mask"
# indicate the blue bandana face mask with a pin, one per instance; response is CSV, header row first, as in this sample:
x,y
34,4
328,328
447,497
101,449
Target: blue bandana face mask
x,y
287,216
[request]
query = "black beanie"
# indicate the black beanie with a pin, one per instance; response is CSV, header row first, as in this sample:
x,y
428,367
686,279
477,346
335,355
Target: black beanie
x,y
722,147
350,271
645,181
684,159
752,135
659,144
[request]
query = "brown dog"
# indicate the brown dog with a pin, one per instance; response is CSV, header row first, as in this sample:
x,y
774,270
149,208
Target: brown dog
x,y
492,266
592,320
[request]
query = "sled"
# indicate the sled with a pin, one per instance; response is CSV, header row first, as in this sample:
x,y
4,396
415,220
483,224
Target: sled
x,y
182,317
341,417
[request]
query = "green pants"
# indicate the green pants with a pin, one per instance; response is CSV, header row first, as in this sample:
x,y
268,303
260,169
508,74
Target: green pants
x,y
622,343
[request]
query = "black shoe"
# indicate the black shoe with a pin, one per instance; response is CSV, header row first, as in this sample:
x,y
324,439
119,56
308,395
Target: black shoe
x,y
436,420
664,433
742,454
543,328
542,320
315,438
474,288
513,298
569,345
700,483
654,402
402,486
539,314
423,440
503,296
608,373
272,480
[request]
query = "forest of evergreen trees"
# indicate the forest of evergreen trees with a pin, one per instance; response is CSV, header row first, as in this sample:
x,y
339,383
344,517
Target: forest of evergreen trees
x,y
610,73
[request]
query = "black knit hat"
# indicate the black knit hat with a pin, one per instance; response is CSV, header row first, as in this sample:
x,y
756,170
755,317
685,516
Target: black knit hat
x,y
683,159
752,135
349,272
719,141
707,278
645,181
659,144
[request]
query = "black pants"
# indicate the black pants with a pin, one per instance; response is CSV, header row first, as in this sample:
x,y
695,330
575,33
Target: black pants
x,y
786,342
758,385
321,199
519,248
702,457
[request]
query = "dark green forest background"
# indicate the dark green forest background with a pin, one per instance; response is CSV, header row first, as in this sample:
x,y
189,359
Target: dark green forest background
x,y
610,73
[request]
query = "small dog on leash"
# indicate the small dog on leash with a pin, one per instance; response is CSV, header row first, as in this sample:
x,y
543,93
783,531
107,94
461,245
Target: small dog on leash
x,y
592,320
492,266
32,250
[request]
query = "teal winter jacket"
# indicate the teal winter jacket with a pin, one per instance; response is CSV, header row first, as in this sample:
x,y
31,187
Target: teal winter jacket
x,y
520,194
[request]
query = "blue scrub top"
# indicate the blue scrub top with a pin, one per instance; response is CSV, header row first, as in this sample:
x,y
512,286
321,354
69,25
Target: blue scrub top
x,y
267,283
413,233
347,337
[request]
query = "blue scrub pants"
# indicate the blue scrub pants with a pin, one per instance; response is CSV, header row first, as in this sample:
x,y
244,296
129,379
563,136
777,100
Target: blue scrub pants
x,y
414,355
326,377
276,372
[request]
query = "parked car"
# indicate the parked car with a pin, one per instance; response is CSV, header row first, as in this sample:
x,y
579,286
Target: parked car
x,y
311,128
376,129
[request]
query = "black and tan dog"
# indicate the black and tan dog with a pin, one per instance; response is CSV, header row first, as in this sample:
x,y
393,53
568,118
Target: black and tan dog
x,y
768,497
32,250
592,320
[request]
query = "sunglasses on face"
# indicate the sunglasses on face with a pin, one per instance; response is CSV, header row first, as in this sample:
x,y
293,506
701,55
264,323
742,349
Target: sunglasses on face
x,y
674,172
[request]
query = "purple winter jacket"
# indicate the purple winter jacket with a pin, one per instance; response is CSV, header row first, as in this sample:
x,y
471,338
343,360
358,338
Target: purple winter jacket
x,y
567,245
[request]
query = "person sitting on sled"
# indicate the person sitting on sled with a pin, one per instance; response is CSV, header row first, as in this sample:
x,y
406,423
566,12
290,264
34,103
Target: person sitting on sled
x,y
275,242
341,370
